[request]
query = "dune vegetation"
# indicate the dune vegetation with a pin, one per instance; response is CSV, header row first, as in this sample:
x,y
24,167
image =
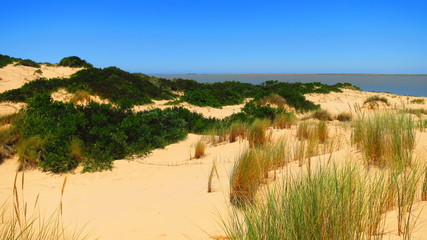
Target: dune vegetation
x,y
330,201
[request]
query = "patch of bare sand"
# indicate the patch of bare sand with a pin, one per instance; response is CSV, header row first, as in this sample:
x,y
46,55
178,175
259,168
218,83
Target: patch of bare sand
x,y
12,77
159,196
348,100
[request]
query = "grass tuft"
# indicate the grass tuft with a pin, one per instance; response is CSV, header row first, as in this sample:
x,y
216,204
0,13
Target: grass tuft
x,y
344,117
238,129
331,203
418,101
385,138
199,150
284,120
257,132
322,115
376,98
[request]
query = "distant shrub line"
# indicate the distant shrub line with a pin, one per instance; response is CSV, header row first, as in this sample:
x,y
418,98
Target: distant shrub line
x,y
127,89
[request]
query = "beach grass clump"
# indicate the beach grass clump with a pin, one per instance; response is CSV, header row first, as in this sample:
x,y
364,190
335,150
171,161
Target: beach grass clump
x,y
80,96
310,131
322,131
16,222
252,167
237,129
418,101
376,98
218,134
330,203
344,117
30,151
199,149
406,185
273,99
303,130
322,115
385,138
246,177
257,134
285,120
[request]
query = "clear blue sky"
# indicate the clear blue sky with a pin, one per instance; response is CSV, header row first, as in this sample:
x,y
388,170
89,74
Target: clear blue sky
x,y
216,36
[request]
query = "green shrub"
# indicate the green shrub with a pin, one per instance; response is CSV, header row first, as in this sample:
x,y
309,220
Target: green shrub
x,y
202,98
75,62
6,60
57,136
28,63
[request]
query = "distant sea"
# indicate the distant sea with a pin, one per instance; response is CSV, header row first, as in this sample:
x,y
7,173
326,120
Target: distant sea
x,y
414,85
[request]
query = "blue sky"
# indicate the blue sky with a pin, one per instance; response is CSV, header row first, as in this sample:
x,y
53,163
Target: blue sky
x,y
218,36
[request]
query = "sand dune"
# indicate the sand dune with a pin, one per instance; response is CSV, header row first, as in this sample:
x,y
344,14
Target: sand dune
x,y
164,195
12,76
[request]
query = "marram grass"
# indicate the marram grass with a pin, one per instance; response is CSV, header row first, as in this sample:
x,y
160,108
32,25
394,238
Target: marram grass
x,y
385,138
330,203
17,224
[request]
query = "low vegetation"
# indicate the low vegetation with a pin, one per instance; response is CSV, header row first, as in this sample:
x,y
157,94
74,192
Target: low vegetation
x,y
330,203
344,117
322,115
57,136
376,98
6,60
199,149
257,134
74,62
252,168
17,222
127,89
285,120
385,138
418,101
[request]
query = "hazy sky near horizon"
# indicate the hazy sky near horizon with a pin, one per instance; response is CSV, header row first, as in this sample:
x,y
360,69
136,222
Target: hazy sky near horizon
x,y
205,36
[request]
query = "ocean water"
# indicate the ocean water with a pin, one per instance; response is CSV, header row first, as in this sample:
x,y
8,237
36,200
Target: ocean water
x,y
414,85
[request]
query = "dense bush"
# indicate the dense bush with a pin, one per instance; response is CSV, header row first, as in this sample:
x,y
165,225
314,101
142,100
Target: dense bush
x,y
74,61
58,136
6,60
118,86
202,98
28,63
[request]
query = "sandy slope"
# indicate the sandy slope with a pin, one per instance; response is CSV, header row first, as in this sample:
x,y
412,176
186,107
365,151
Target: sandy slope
x,y
349,100
12,76
161,196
